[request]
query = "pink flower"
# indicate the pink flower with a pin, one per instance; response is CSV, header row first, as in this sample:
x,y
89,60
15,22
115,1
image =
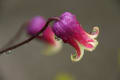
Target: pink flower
x,y
71,32
35,25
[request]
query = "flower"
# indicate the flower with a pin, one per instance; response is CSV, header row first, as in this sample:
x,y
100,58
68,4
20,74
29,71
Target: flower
x,y
35,25
71,32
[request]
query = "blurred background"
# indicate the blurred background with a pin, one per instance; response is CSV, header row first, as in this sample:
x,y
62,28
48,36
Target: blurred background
x,y
27,62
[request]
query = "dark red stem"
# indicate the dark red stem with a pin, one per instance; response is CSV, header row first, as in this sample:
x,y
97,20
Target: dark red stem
x,y
31,38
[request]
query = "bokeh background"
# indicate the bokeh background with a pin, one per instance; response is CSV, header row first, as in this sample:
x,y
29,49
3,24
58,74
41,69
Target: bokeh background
x,y
27,62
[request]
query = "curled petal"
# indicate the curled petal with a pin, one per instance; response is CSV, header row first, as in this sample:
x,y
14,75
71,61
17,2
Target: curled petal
x,y
95,32
74,56
71,32
94,45
79,51
93,41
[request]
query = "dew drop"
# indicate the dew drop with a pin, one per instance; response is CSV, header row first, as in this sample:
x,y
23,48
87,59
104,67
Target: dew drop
x,y
8,52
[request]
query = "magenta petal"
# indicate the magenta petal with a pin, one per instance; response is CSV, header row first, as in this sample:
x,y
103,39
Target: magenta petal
x,y
76,46
71,32
49,36
35,25
79,50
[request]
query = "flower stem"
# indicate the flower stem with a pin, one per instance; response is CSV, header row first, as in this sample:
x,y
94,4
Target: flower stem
x,y
31,38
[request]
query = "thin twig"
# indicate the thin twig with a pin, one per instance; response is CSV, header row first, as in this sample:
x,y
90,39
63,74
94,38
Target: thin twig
x,y
31,38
